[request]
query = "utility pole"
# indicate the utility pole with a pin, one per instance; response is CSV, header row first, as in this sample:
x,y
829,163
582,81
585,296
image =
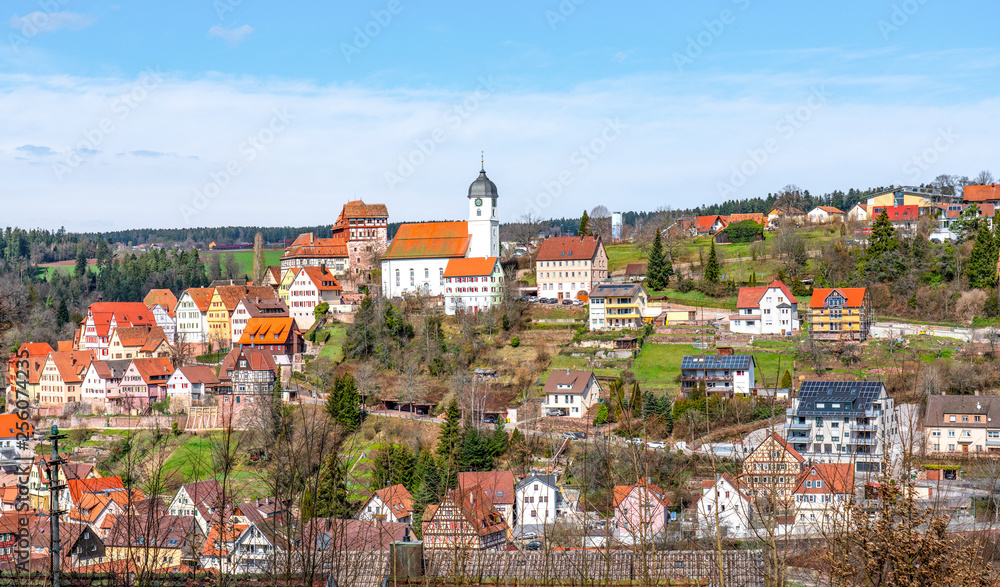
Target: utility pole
x,y
54,512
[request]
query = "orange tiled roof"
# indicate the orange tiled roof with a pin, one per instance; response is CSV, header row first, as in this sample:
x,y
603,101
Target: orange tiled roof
x,y
981,193
469,267
749,297
72,365
35,349
397,499
854,296
307,245
158,368
232,294
268,330
140,336
430,240
201,296
321,278
199,374
622,491
755,216
78,487
705,223
124,314
564,248
358,209
836,477
830,209
162,297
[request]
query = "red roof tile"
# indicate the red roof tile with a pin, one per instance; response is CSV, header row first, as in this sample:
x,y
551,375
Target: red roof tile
x,y
897,213
705,223
754,216
306,245
749,297
124,314
497,485
199,374
830,209
838,478
35,349
155,370
77,487
72,365
398,500
162,297
981,193
201,296
854,296
267,331
430,240
470,267
566,248
322,278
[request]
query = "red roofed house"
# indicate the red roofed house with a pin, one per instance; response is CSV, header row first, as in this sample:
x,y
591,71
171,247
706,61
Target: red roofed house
x,y
498,486
365,228
102,320
840,314
466,519
255,307
161,302
824,214
308,288
765,310
61,380
248,377
858,213
191,314
191,383
640,512
570,267
389,504
144,383
757,217
570,393
772,468
418,255
981,193
279,336
823,492
724,508
709,224
138,342
903,218
472,284
33,355
102,379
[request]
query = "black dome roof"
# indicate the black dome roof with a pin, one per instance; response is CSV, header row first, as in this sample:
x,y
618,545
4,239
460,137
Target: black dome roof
x,y
483,187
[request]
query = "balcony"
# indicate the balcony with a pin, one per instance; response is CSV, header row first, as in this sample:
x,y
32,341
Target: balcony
x,y
802,426
863,441
864,427
705,378
629,305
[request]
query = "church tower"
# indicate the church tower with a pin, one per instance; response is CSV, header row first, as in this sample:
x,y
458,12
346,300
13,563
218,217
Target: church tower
x,y
484,227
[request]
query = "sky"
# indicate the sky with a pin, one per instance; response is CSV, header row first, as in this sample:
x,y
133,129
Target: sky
x,y
135,114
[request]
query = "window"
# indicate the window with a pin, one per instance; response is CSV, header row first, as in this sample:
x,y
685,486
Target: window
x,y
427,273
965,418
413,280
397,277
951,434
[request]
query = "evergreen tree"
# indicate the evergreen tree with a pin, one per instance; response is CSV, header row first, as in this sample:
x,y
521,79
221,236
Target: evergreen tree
x,y
103,253
584,225
331,492
657,276
81,260
786,380
343,403
394,464
62,315
697,392
429,473
475,451
712,266
752,282
650,406
500,439
883,238
602,415
449,439
982,269
668,416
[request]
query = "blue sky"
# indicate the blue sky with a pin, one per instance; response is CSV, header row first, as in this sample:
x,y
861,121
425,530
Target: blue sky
x,y
244,112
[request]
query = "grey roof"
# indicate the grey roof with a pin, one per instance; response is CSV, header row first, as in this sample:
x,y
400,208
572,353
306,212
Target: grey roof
x,y
549,480
616,289
851,397
716,362
483,187
960,405
118,367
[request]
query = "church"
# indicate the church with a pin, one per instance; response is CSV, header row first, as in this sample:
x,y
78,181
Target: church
x,y
418,256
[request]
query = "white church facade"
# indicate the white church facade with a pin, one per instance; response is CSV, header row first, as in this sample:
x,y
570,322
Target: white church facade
x,y
418,256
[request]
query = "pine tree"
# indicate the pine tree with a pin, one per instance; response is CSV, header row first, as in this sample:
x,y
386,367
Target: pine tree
x,y
883,238
584,225
982,269
602,415
697,392
657,276
449,438
500,439
62,315
81,260
752,282
668,416
786,380
712,266
331,492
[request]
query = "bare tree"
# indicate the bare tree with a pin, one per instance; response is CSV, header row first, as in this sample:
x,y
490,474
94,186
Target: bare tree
x,y
258,259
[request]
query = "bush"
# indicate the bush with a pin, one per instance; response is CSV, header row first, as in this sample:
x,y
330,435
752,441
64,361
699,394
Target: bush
x,y
685,285
515,342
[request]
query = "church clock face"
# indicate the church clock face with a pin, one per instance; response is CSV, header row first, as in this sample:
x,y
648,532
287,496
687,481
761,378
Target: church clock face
x,y
479,201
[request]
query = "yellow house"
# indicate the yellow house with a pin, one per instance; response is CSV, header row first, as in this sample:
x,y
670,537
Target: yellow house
x,y
138,342
900,197
221,308
840,314
287,279
154,542
61,379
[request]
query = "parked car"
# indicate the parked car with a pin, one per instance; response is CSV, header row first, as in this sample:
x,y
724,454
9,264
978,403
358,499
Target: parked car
x,y
580,435
533,545
570,435
554,412
567,302
529,536
656,444
634,441
489,419
577,302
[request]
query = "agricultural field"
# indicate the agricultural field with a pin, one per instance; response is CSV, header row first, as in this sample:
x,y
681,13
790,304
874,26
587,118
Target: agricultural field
x,y
245,258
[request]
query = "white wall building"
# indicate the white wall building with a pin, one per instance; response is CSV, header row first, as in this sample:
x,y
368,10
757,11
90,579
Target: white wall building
x,y
724,508
191,315
570,393
310,287
418,256
765,310
389,504
472,285
539,501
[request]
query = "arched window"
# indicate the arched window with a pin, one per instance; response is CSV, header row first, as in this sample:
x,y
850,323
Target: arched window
x,y
427,273
479,212
412,277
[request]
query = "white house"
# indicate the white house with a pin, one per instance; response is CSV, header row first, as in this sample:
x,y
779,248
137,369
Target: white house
x,y
727,375
570,393
765,310
823,492
191,383
418,256
472,284
191,315
310,287
724,508
199,499
539,502
858,213
102,378
617,305
389,504
824,214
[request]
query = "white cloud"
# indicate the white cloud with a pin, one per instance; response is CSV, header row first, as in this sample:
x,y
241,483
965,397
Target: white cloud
x,y
679,141
38,21
234,36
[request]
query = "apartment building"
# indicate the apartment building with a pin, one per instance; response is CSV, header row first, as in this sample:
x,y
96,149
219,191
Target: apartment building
x,y
840,314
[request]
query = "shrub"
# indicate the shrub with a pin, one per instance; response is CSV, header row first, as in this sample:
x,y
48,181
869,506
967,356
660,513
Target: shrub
x,y
515,342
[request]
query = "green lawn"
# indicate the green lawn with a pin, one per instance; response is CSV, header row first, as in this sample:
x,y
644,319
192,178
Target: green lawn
x,y
245,258
334,347
696,298
193,458
621,255
771,367
658,365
